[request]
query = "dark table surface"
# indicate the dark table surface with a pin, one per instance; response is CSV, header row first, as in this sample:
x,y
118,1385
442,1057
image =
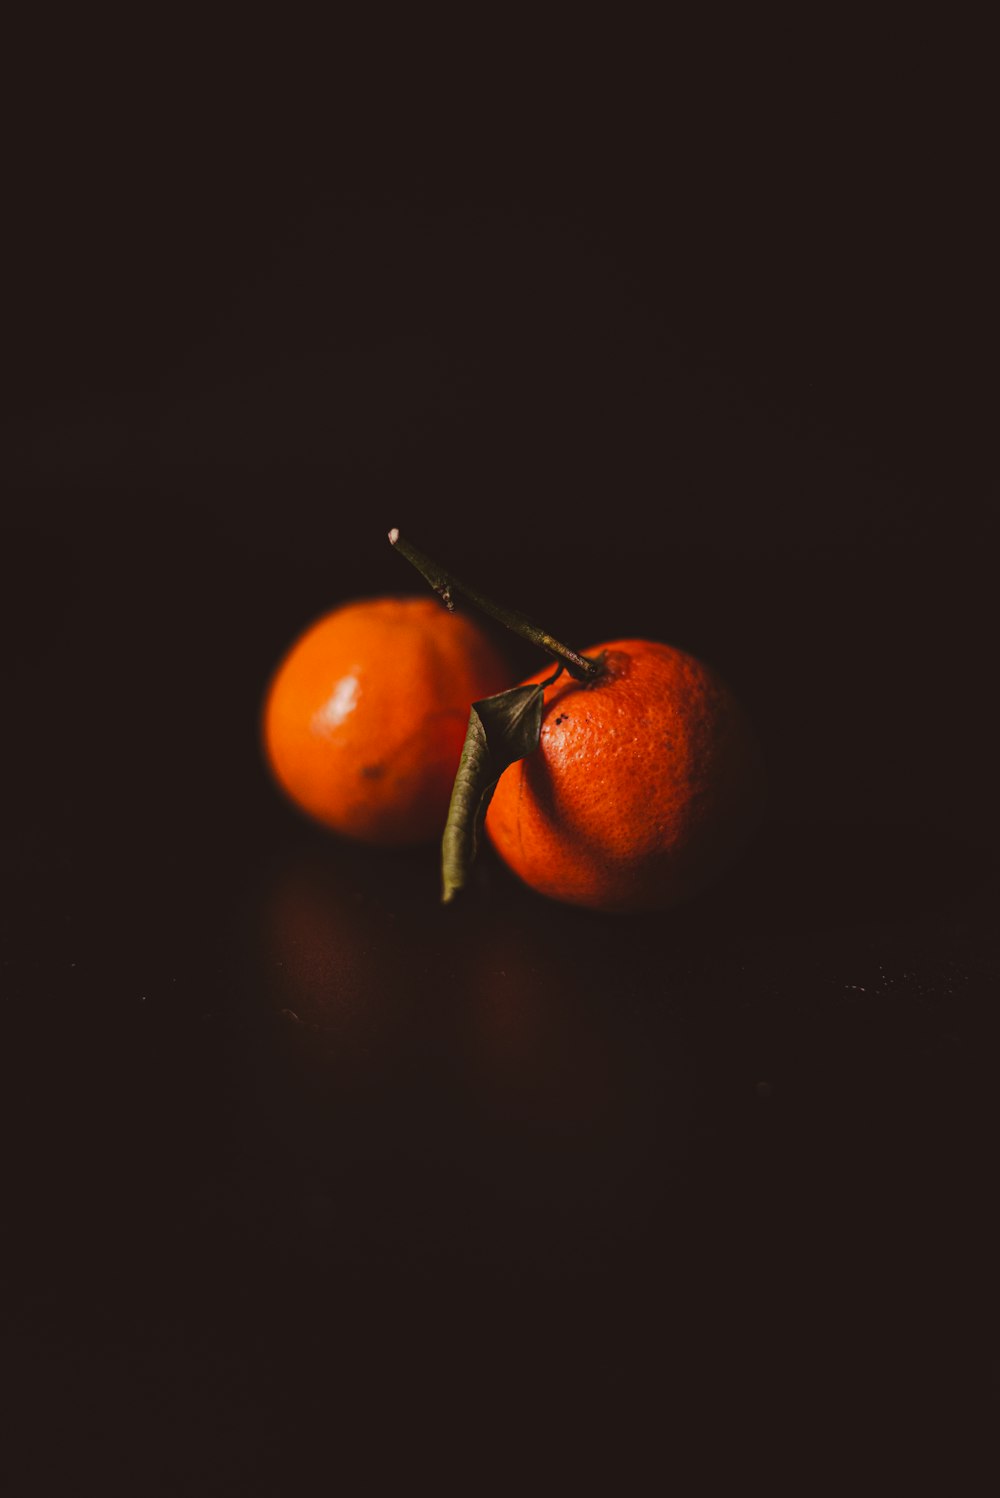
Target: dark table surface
x,y
302,1167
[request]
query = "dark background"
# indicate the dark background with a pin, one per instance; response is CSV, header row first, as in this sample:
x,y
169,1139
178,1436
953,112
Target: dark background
x,y
302,1168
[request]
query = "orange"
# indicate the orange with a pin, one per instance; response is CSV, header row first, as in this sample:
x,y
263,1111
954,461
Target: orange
x,y
644,785
364,719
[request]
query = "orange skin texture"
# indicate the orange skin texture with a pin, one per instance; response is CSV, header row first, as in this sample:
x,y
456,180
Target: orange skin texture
x,y
364,719
645,785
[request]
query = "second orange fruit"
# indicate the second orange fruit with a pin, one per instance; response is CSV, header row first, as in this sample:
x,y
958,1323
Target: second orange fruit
x,y
365,717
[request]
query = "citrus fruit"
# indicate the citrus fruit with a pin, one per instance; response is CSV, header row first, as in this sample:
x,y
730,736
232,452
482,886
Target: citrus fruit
x,y
645,783
364,719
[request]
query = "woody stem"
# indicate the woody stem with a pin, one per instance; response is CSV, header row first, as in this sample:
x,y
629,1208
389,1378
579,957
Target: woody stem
x,y
445,585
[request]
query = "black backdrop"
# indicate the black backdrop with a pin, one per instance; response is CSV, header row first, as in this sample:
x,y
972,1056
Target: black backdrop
x,y
300,1163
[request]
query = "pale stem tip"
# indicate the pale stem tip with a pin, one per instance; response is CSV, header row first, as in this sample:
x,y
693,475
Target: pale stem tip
x,y
393,536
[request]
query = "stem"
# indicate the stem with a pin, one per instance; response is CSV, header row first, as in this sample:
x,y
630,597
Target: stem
x,y
445,584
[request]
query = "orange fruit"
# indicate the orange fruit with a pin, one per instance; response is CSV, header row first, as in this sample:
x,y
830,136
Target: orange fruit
x,y
365,717
644,786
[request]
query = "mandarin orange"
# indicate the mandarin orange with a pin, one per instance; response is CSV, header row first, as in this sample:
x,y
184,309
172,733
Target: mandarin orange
x,y
364,719
644,786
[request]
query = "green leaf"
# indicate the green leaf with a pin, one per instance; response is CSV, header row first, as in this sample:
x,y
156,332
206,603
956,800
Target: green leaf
x,y
502,729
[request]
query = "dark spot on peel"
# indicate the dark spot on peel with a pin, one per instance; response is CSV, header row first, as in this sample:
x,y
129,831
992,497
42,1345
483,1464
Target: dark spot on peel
x,y
372,772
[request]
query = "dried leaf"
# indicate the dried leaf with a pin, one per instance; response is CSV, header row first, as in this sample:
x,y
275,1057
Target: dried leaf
x,y
502,729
